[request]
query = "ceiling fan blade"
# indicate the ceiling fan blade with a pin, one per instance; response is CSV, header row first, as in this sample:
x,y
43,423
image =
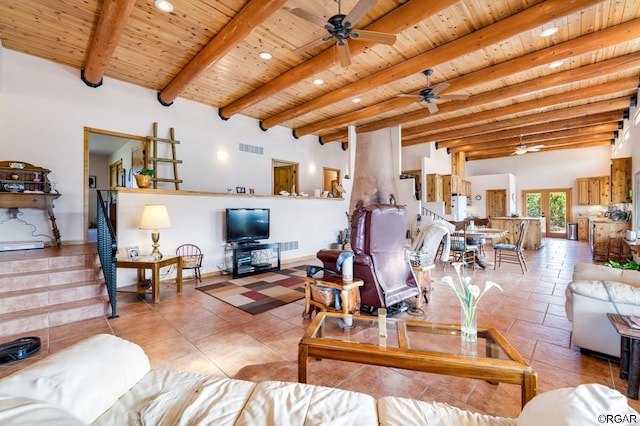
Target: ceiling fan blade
x,y
344,55
404,95
533,149
308,16
309,45
455,97
359,10
536,147
374,37
433,108
439,87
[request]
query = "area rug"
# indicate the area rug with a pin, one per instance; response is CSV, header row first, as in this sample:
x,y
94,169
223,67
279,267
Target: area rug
x,y
262,292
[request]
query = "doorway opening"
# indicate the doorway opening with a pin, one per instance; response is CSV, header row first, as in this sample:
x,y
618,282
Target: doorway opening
x,y
285,176
330,181
552,204
102,149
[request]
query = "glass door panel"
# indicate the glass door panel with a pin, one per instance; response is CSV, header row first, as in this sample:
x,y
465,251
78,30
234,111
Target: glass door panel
x,y
553,204
557,214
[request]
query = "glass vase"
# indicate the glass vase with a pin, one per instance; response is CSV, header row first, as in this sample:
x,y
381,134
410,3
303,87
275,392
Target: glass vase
x,y
468,324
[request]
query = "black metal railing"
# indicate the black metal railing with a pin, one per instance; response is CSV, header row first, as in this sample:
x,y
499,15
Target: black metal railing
x,y
433,215
107,243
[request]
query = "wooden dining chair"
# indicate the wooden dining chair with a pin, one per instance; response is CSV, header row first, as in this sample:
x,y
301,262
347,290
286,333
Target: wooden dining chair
x,y
191,259
461,250
512,253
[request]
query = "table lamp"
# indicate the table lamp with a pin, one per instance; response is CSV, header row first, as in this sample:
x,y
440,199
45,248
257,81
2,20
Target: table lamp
x,y
155,216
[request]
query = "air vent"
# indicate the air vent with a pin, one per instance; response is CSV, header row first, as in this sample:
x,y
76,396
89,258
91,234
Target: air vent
x,y
251,149
289,245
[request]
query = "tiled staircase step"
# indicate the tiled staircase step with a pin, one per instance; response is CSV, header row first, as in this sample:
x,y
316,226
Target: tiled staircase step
x,y
34,298
21,265
47,278
30,320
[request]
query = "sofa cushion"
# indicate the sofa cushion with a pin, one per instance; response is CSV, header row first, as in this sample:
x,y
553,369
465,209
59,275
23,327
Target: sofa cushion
x,y
85,379
165,397
582,405
395,411
588,271
280,403
606,291
17,410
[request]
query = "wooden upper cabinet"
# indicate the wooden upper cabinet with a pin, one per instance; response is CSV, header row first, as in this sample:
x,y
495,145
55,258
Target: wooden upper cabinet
x,y
593,190
434,187
621,180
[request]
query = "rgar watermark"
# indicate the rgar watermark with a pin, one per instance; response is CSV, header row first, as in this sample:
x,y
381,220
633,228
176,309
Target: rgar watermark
x,y
618,418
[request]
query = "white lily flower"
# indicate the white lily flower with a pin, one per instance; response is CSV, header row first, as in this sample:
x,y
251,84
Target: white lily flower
x,y
474,290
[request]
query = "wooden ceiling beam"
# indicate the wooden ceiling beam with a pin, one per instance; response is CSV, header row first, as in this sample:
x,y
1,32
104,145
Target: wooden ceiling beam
x,y
485,156
514,141
113,18
243,23
450,129
587,122
594,41
527,19
406,15
526,88
499,148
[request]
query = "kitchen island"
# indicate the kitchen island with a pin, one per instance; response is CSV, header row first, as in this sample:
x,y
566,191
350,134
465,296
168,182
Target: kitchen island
x,y
536,231
606,239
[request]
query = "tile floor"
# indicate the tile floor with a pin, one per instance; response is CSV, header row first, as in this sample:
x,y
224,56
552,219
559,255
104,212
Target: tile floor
x,y
195,332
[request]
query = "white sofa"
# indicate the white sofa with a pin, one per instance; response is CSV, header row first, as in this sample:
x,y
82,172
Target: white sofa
x,y
105,380
594,291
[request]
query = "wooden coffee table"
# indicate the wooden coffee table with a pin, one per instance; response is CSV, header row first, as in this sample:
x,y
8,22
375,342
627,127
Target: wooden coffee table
x,y
415,345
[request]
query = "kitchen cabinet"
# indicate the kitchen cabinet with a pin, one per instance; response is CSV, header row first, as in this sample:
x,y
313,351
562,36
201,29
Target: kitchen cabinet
x,y
593,190
442,187
536,230
606,239
621,180
434,187
583,229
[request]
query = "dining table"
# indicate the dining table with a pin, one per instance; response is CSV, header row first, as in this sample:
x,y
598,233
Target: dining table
x,y
480,232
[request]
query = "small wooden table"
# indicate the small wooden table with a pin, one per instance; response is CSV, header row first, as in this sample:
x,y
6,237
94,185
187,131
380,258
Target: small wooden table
x,y
145,262
423,277
415,345
629,353
349,294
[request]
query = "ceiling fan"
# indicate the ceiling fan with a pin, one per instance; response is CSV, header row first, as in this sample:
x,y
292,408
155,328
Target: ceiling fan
x,y
523,149
340,28
429,94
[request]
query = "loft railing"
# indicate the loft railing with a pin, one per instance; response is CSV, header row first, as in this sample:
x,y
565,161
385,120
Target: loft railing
x,y
107,243
433,215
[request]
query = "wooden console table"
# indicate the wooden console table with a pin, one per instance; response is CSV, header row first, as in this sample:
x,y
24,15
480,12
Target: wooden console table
x,y
25,186
145,262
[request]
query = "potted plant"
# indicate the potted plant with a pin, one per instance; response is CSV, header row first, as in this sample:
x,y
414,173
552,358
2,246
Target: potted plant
x,y
143,178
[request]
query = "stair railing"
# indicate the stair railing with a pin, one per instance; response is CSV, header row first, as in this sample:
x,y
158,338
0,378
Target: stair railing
x,y
108,244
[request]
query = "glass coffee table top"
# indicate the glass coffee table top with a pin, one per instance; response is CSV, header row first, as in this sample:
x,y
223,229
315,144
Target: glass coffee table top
x,y
409,335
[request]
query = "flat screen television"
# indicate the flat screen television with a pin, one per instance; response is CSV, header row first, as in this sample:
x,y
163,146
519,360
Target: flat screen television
x,y
246,225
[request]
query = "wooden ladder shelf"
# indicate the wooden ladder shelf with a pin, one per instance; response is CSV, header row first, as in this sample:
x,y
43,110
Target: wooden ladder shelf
x,y
154,159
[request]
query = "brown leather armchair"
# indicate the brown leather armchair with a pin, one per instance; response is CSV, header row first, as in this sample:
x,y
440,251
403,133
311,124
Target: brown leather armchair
x,y
378,240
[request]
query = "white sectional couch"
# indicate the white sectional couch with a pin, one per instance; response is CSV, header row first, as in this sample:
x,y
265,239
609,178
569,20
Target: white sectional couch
x,y
594,291
105,380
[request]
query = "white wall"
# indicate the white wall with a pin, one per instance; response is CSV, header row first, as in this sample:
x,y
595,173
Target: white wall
x,y
44,108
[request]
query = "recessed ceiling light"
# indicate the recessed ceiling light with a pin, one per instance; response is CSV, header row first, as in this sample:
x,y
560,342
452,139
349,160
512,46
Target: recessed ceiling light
x,y
556,64
164,5
265,55
549,32
318,81
356,100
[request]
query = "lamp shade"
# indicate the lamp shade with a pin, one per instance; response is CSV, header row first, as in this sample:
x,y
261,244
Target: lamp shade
x,y
154,216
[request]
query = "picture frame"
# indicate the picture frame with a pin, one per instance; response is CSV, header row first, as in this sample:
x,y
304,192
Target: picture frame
x,y
92,181
133,253
252,191
240,190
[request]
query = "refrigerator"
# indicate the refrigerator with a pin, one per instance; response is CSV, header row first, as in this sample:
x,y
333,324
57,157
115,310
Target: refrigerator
x,y
459,207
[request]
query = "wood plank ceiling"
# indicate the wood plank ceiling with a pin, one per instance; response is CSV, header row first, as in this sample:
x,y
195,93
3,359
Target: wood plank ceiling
x,y
490,50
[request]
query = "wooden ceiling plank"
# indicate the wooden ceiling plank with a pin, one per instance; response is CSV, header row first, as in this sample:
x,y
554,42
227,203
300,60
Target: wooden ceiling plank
x,y
410,13
578,125
484,156
111,23
489,142
593,41
252,14
526,88
450,129
527,19
548,143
